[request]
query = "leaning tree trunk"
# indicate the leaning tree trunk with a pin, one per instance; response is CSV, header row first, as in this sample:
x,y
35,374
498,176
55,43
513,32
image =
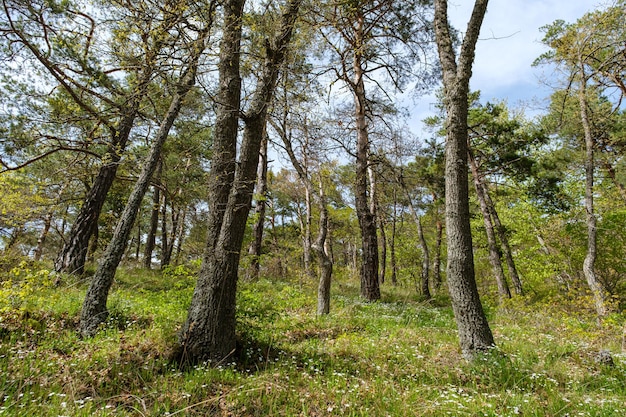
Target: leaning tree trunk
x,y
474,333
597,289
71,258
94,309
494,254
424,287
209,331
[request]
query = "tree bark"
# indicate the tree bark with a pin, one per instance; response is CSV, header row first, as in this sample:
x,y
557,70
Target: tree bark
x,y
370,289
504,243
392,243
154,220
597,289
437,261
474,333
494,254
326,263
94,309
209,331
71,258
47,222
257,229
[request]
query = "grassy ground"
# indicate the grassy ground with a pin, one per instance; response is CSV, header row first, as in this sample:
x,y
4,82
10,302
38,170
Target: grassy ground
x,y
398,357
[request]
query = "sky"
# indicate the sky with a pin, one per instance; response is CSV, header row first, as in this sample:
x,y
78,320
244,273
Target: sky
x,y
510,40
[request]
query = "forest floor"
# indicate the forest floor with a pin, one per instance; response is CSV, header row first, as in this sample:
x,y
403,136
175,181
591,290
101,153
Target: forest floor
x,y
397,357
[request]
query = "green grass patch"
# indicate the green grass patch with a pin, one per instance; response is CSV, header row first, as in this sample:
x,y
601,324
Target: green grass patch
x,y
396,357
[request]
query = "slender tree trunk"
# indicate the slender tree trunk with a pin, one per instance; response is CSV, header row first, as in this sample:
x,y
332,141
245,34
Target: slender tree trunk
x,y
47,221
392,243
257,230
370,289
504,243
154,220
306,237
424,287
494,254
94,309
181,235
209,331
383,250
474,333
326,264
164,233
437,261
597,289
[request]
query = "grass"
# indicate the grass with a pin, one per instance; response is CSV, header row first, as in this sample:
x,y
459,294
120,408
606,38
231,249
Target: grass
x,y
398,357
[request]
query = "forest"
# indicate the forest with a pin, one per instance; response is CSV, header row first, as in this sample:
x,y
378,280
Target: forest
x,y
224,207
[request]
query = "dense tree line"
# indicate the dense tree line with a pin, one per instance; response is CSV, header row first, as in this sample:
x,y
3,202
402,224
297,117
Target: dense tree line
x,y
135,131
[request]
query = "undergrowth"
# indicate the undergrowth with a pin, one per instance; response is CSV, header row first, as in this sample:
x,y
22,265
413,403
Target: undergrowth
x,y
397,357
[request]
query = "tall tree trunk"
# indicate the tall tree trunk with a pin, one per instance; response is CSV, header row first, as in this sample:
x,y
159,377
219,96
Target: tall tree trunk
x,y
597,289
370,289
474,333
94,309
181,235
504,243
257,229
494,254
154,219
209,331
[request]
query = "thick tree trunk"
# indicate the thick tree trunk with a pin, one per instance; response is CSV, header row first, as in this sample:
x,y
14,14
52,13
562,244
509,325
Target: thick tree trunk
x,y
209,331
597,289
474,333
494,254
370,289
94,309
257,229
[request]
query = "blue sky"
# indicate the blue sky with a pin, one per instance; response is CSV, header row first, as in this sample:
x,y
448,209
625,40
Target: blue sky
x,y
509,43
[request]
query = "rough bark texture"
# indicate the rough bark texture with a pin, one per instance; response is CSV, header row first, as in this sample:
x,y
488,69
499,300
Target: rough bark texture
x,y
209,331
597,289
47,222
94,309
494,254
326,264
474,333
370,289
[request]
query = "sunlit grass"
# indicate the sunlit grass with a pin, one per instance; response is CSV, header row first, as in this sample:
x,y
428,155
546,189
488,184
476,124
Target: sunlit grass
x,y
396,357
